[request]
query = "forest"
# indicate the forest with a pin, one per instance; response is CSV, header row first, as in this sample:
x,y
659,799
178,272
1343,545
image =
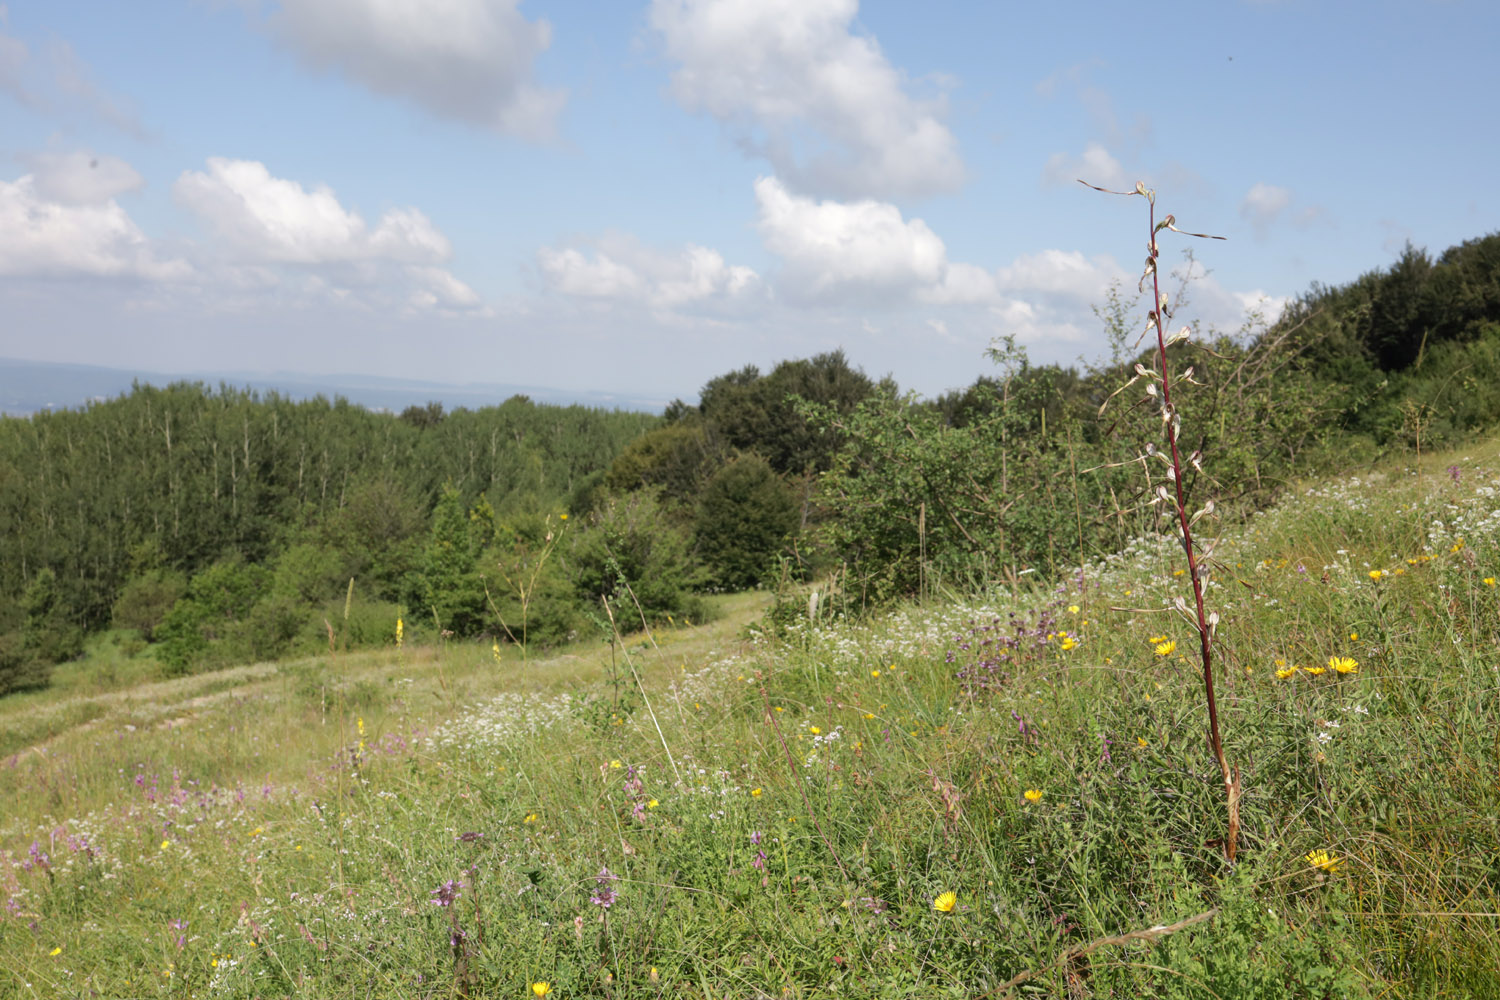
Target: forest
x,y
199,527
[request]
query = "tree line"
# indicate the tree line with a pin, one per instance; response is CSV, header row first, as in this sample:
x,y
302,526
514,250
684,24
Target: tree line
x,y
216,525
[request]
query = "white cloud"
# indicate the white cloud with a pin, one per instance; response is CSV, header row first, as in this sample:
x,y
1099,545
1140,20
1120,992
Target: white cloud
x,y
823,105
830,248
40,236
272,219
321,246
1263,205
81,178
466,60
1096,166
1062,273
620,269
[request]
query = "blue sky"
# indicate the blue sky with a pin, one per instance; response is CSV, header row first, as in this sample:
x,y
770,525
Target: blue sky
x,y
636,197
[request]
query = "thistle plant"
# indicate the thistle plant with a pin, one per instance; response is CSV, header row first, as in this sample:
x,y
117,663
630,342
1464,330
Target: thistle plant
x,y
1170,490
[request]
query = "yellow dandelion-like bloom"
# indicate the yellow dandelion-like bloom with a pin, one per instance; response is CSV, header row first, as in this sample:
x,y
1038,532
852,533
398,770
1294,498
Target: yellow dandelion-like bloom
x,y
1073,609
1141,740
562,517
1411,562
1178,572
1322,859
1489,581
1376,574
1344,664
616,765
1166,648
166,844
1316,671
541,989
531,818
874,673
1069,642
652,804
1286,672
1157,638
1353,636
946,902
56,951
756,793
1033,795
1456,545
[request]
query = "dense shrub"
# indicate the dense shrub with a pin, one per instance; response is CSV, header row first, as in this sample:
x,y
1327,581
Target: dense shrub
x,y
745,516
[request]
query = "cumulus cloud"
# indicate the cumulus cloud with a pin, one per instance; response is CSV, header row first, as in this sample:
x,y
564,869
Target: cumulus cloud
x,y
830,249
1263,204
81,178
618,268
464,60
270,218
822,104
259,220
41,236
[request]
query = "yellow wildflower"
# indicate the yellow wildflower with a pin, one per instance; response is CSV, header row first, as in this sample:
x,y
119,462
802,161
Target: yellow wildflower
x,y
1286,672
1166,648
1344,664
1322,859
1033,795
1489,581
1316,671
56,951
1073,609
1156,638
531,818
1069,642
814,730
652,804
400,631
946,902
1142,741
541,989
755,793
1376,574
616,765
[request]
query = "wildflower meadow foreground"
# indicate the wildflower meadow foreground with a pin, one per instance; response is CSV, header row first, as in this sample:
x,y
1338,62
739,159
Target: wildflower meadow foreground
x,y
1006,796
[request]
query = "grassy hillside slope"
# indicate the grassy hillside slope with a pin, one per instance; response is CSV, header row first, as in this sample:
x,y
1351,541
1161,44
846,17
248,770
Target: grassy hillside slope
x,y
715,817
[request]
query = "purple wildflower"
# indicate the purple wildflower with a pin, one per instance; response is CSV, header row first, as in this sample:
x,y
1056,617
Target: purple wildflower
x,y
445,894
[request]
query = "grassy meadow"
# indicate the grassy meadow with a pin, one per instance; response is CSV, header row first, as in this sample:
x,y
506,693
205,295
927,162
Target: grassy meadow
x,y
1007,795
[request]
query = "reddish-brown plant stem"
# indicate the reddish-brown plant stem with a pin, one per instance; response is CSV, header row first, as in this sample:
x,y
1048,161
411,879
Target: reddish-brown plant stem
x,y
1205,634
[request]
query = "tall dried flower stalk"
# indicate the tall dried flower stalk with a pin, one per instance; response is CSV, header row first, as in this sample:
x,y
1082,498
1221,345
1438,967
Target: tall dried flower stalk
x,y
1159,389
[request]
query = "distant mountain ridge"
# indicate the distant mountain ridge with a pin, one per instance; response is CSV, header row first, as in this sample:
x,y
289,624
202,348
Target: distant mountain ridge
x,y
28,387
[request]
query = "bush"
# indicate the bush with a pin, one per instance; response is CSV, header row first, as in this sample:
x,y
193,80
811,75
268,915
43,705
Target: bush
x,y
745,516
637,559
145,601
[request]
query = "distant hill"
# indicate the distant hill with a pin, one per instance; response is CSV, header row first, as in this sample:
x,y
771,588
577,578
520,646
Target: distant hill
x,y
30,386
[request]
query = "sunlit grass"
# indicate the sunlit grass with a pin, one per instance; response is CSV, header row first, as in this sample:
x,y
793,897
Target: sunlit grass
x,y
936,802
